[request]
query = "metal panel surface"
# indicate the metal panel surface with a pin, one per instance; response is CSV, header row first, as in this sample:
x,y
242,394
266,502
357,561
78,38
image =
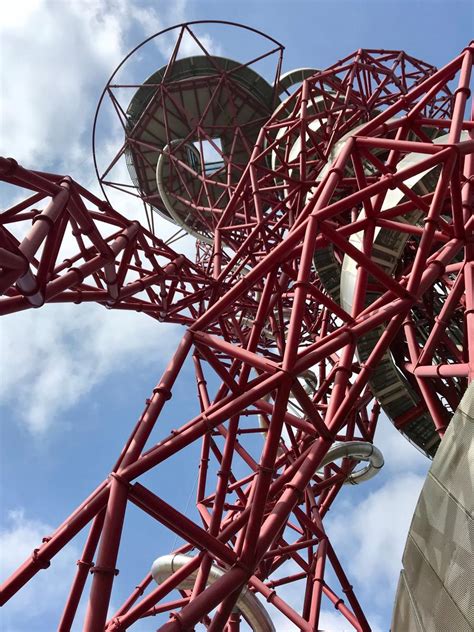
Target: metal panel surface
x,y
436,585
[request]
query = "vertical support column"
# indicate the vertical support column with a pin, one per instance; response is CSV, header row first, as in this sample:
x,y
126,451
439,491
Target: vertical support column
x,y
84,565
467,204
104,570
234,623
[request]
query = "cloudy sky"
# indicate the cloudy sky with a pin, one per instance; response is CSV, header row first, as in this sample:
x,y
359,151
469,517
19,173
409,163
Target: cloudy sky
x,y
74,379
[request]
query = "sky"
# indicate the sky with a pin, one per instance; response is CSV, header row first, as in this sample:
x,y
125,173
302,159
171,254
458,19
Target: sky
x,y
74,378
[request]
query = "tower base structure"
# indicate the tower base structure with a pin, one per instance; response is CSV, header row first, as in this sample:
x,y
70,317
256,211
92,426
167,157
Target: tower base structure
x,y
335,276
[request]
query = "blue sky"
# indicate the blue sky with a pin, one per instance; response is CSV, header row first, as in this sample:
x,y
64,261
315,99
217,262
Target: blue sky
x,y
75,378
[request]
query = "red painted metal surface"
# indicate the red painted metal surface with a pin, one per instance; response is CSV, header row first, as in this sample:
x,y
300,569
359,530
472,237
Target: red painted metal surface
x,y
259,315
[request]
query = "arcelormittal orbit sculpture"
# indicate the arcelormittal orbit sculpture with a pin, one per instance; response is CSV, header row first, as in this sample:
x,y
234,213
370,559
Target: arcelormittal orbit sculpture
x,y
334,277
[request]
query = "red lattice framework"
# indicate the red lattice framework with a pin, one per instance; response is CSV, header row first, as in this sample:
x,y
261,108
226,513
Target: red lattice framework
x,y
259,315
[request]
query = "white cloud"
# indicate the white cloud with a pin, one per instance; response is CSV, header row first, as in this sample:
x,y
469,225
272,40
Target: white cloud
x,y
43,595
293,594
399,454
151,23
56,58
328,621
54,356
55,54
370,536
333,622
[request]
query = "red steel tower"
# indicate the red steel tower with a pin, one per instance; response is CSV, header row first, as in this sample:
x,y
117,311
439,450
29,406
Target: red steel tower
x,y
334,277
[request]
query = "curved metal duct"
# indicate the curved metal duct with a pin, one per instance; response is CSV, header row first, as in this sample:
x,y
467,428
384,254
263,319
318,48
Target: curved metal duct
x,y
178,212
247,604
359,451
293,77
